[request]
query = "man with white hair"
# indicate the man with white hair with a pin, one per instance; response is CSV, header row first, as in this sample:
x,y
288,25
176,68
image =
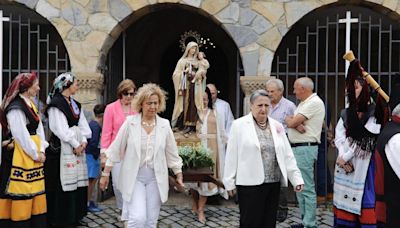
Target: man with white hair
x,y
223,108
279,110
304,132
387,160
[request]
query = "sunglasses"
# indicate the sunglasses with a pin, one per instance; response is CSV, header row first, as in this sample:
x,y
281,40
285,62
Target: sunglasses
x,y
129,94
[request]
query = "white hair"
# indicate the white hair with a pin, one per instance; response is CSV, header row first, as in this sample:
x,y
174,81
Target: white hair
x,y
258,93
277,82
306,82
396,110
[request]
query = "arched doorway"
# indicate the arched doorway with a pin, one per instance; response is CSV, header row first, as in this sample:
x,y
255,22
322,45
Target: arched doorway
x,y
148,50
31,43
315,45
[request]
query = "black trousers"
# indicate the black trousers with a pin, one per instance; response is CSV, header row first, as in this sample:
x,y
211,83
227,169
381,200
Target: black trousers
x,y
258,205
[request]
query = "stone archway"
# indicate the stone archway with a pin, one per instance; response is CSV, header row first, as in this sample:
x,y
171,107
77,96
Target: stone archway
x,y
90,27
31,44
314,47
148,50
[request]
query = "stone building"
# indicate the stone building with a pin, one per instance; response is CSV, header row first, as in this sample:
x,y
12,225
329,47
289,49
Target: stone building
x,y
103,41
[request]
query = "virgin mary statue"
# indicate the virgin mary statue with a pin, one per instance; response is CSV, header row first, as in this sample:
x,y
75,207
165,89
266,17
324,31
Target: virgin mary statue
x,y
188,95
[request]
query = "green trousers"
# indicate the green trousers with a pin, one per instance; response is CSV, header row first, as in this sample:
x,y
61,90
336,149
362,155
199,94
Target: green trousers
x,y
305,158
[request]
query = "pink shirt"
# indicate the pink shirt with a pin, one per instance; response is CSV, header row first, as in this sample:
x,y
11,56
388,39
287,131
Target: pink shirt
x,y
114,117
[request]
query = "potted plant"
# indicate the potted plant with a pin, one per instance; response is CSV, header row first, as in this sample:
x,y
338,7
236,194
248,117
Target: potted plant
x,y
196,158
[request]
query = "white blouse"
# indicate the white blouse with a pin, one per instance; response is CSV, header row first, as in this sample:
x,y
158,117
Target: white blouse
x,y
58,124
17,122
148,142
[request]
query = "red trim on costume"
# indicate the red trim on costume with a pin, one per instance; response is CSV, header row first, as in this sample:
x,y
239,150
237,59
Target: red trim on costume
x,y
380,206
368,216
396,119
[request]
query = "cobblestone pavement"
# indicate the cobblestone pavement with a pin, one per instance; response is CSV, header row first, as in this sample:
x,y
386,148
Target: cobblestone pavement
x,y
176,213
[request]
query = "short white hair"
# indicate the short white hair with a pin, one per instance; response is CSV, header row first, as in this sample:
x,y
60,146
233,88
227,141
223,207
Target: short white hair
x,y
306,82
277,82
258,93
396,110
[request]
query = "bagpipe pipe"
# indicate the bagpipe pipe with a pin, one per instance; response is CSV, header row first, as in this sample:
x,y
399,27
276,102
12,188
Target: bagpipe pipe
x,y
382,111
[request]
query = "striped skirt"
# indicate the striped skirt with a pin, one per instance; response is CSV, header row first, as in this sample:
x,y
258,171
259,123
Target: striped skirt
x,y
367,219
22,193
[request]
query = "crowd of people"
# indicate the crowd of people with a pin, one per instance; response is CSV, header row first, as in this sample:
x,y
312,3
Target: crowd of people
x,y
255,156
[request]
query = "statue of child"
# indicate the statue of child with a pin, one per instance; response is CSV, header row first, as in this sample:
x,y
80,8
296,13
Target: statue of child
x,y
203,67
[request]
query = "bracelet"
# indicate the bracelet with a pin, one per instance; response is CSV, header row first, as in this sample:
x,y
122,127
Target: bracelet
x,y
103,174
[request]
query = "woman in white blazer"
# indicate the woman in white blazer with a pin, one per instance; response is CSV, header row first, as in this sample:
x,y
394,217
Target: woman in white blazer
x,y
146,147
258,161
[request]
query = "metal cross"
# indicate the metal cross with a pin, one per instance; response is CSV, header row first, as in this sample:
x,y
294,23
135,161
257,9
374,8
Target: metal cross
x,y
348,20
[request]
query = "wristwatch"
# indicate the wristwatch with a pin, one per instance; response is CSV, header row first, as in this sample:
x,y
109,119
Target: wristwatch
x,y
103,174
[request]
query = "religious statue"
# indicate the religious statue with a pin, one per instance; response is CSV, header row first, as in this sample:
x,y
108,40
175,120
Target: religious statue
x,y
188,89
203,67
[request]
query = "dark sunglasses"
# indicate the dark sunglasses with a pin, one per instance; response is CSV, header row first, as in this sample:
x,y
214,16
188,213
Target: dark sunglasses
x,y
129,94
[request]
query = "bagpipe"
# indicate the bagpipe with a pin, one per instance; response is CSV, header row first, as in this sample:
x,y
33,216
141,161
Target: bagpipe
x,y
382,112
349,56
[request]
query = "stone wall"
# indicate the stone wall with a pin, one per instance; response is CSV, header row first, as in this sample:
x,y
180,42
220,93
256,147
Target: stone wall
x,y
90,27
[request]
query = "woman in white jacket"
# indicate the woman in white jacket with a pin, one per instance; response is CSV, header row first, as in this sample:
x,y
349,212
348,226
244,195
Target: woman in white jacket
x,y
258,160
146,147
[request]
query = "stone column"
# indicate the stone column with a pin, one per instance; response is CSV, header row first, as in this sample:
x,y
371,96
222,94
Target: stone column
x,y
248,85
90,90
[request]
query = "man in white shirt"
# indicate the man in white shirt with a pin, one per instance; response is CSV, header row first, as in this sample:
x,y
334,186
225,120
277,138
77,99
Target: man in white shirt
x,y
304,132
223,108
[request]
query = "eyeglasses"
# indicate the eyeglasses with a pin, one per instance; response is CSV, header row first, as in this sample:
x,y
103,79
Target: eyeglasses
x,y
129,94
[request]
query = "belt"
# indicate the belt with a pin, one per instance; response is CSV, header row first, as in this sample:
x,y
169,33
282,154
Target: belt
x,y
304,144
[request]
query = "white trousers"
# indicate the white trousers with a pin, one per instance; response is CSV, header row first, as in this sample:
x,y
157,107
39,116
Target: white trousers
x,y
115,177
144,207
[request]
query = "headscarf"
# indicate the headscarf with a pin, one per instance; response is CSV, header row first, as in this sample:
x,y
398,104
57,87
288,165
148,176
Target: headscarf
x,y
20,84
62,82
188,47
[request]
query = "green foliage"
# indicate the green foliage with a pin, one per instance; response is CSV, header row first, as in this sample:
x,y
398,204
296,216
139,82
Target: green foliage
x,y
195,157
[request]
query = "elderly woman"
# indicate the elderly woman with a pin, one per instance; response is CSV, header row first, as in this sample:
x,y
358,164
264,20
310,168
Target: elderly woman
x,y
22,190
146,148
65,167
258,161
114,116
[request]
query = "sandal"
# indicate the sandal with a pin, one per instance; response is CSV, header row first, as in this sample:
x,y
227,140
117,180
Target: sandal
x,y
201,217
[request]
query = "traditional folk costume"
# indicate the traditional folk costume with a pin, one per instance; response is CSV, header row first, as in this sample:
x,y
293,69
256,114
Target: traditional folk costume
x,y
356,133
67,177
387,160
22,187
